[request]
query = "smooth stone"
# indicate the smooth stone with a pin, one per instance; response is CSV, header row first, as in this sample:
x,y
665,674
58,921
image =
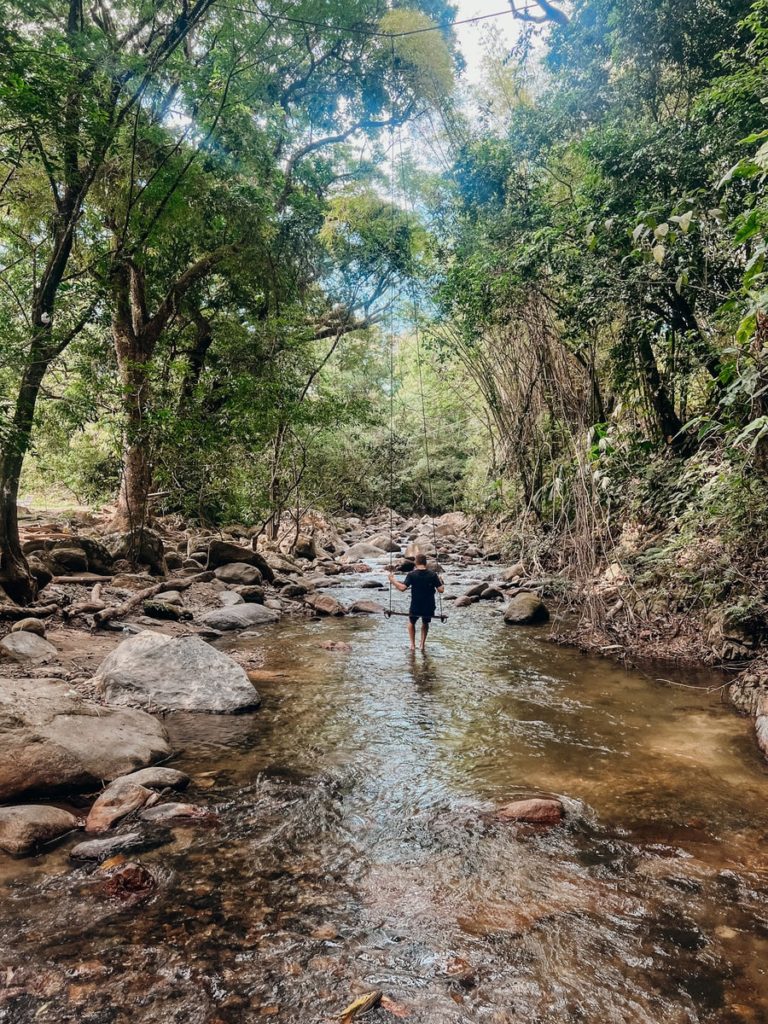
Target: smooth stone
x,y
170,597
238,572
29,625
25,827
51,739
24,647
176,674
465,600
537,811
109,846
228,599
175,811
118,800
158,777
223,552
240,616
366,607
252,595
526,609
324,604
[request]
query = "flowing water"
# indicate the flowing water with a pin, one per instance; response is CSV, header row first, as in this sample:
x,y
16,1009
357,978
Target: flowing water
x,y
356,849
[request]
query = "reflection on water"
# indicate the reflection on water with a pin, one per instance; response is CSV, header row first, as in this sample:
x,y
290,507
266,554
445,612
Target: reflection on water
x,y
355,849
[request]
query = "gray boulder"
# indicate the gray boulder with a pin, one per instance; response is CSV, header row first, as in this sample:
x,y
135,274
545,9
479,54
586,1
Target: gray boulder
x,y
51,740
29,625
526,610
126,842
26,648
159,777
150,670
240,616
24,828
362,550
238,572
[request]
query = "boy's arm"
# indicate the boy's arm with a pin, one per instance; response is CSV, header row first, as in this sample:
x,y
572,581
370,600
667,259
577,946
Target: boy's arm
x,y
396,583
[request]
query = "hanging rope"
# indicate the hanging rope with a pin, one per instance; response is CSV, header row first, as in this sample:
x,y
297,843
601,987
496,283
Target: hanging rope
x,y
392,296
416,305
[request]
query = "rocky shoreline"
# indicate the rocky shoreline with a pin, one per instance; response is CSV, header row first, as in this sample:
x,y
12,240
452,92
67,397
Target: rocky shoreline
x,y
109,646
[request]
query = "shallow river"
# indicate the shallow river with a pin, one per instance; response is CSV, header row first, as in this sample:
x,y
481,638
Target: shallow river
x,y
355,849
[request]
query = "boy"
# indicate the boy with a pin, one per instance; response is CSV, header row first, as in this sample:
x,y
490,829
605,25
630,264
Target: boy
x,y
423,585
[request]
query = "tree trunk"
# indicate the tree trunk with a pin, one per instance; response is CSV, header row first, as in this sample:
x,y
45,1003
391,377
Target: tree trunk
x,y
668,422
133,357
15,577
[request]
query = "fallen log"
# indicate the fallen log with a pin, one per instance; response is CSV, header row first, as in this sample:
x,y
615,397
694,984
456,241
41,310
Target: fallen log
x,y
15,611
83,580
118,611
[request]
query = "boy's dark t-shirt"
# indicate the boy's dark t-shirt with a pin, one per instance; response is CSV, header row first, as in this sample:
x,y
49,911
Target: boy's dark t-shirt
x,y
423,584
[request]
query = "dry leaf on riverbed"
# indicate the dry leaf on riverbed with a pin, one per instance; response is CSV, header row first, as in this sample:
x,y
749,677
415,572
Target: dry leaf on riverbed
x,y
361,1005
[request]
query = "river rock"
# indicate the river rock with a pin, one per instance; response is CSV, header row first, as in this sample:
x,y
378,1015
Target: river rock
x,y
128,842
513,572
293,590
223,552
324,604
537,811
158,777
29,625
51,740
240,616
26,648
67,561
305,548
475,590
366,607
171,597
230,598
144,547
362,550
252,595
373,585
25,827
492,594
156,609
452,524
238,572
384,541
175,811
117,800
465,600
176,674
526,609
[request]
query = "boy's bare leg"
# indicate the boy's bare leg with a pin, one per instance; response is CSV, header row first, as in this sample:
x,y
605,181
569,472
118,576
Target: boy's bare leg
x,y
424,631
412,634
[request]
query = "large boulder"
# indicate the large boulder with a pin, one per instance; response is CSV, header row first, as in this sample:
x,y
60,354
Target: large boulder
x,y
526,610
144,547
68,560
385,541
240,616
238,572
24,828
26,648
362,550
222,552
452,524
324,604
51,741
305,547
165,673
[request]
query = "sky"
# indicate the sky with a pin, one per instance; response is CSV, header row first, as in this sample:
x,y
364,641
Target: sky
x,y
470,36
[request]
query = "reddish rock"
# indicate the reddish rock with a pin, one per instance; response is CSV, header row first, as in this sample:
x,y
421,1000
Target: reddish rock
x,y
366,607
115,803
537,811
324,604
129,883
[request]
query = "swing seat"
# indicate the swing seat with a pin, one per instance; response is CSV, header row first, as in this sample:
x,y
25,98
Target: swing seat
x,y
390,611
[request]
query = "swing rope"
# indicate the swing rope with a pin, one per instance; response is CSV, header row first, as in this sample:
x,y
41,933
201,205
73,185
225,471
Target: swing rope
x,y
415,305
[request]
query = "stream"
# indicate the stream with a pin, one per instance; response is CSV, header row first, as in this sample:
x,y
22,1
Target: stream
x,y
355,848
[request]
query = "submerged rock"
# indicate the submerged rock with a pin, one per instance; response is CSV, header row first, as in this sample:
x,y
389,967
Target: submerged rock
x,y
128,842
50,739
176,674
159,777
536,811
526,610
176,812
24,828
